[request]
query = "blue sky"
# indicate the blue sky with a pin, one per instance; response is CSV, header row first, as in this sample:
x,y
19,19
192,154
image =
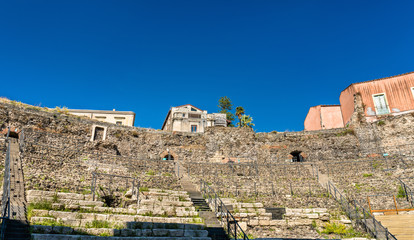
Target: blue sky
x,y
274,58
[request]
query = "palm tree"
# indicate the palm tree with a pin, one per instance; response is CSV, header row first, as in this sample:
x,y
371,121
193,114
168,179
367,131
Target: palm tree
x,y
239,114
246,121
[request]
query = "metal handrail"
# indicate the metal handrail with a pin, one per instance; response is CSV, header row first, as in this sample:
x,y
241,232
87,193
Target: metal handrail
x,y
355,211
407,191
221,212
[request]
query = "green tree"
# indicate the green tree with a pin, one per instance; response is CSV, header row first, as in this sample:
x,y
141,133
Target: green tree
x,y
246,121
225,106
239,114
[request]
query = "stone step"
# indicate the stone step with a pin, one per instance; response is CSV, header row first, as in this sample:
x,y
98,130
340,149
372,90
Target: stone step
x,y
82,219
186,231
83,237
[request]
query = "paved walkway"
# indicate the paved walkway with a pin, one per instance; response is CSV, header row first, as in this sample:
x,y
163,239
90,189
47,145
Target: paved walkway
x,y
402,226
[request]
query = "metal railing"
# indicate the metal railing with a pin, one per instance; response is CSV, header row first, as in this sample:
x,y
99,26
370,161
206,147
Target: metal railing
x,y
227,220
5,201
407,192
362,218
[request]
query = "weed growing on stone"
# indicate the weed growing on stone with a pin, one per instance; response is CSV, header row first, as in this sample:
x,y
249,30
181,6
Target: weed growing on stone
x,y
401,192
143,189
367,175
98,224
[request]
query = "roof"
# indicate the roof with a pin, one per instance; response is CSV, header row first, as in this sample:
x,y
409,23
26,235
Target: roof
x,y
327,105
379,79
189,105
169,112
101,111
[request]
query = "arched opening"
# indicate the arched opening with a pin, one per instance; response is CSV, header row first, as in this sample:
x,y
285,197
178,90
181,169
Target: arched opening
x,y
297,156
168,157
14,135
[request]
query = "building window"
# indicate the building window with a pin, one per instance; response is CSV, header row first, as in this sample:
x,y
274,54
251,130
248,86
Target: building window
x,y
380,103
118,122
193,115
193,128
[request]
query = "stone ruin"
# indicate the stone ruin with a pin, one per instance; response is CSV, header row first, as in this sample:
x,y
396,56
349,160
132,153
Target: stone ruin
x,y
254,173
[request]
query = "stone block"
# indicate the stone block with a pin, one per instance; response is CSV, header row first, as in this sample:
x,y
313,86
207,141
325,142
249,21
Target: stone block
x,y
176,232
90,203
278,223
121,218
146,232
243,225
195,233
127,232
253,223
264,222
194,227
73,196
312,216
320,210
57,206
41,229
160,232
39,213
41,219
72,206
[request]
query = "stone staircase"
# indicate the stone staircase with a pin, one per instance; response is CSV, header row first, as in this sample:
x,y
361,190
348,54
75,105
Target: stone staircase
x,y
215,230
17,227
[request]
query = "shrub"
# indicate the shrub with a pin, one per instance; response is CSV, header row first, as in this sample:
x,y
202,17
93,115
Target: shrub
x,y
381,123
367,175
401,192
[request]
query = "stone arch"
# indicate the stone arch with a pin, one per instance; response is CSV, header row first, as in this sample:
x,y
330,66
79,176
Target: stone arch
x,y
173,155
297,156
14,134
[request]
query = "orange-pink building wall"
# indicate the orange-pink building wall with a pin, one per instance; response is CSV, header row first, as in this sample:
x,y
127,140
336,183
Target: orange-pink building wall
x,y
331,117
323,117
397,91
313,119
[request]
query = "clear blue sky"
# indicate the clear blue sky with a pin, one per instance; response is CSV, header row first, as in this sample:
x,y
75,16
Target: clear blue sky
x,y
274,58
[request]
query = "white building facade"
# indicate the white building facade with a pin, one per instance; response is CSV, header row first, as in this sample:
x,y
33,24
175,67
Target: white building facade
x,y
187,118
115,117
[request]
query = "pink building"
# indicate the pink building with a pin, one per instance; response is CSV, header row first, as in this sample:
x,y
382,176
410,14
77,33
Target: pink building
x,y
385,96
324,117
391,95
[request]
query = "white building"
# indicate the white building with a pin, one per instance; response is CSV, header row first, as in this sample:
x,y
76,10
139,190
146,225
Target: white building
x,y
115,117
187,118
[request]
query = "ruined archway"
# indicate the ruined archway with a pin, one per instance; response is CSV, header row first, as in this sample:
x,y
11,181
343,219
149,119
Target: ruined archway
x,y
297,156
169,155
13,134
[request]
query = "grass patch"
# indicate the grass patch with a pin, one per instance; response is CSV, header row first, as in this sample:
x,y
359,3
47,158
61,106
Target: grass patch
x,y
367,175
346,132
143,189
401,192
150,173
98,224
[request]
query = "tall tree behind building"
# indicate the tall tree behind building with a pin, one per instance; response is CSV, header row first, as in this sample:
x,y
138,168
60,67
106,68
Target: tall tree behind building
x,y
225,106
